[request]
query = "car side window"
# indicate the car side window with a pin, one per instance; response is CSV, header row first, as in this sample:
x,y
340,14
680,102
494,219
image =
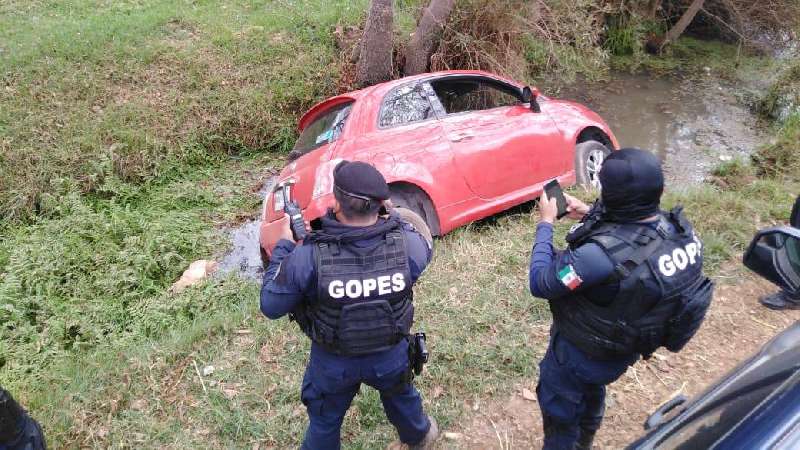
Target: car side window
x,y
462,95
403,105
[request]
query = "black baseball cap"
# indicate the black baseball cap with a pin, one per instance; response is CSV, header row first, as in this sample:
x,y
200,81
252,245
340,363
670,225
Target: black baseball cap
x,y
361,180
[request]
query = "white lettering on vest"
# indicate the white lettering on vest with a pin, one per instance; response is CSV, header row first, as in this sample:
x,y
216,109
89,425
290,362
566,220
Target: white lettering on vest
x,y
665,265
353,288
336,289
680,259
398,282
357,288
691,250
369,285
384,285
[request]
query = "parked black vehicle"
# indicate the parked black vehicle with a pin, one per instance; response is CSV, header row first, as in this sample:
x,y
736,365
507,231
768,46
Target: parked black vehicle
x,y
757,404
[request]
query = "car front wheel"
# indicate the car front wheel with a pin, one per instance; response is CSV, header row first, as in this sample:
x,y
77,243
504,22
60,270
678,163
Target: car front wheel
x,y
589,157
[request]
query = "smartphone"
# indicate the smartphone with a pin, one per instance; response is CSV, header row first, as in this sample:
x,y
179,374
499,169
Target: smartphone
x,y
553,190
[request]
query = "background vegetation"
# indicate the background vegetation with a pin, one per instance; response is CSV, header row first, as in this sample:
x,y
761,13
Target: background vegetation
x,y
132,132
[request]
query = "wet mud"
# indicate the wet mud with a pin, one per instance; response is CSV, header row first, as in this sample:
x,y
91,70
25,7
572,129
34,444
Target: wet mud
x,y
691,124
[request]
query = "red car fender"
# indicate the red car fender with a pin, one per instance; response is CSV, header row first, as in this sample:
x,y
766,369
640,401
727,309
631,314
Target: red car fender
x,y
572,117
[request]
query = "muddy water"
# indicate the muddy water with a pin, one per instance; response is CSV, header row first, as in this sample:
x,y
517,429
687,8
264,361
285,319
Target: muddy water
x,y
244,258
692,125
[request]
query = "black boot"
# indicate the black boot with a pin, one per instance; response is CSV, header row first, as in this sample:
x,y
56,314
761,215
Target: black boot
x,y
780,301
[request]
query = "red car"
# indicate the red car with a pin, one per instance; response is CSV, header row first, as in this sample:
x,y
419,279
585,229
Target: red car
x,y
454,146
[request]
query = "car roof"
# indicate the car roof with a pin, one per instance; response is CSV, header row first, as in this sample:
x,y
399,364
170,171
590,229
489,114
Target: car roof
x,y
381,89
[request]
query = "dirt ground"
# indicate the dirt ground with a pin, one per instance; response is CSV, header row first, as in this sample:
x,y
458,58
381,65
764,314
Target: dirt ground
x,y
735,327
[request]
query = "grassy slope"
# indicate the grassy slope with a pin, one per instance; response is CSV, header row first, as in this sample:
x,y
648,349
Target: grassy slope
x,y
139,106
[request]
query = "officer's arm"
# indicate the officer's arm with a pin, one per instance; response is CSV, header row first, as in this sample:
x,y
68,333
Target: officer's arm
x,y
571,271
419,252
287,279
542,255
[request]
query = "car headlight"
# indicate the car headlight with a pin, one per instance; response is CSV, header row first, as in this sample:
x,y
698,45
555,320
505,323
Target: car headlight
x,y
278,196
264,205
323,182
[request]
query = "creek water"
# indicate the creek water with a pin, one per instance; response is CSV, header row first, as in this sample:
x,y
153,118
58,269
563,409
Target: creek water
x,y
691,124
244,257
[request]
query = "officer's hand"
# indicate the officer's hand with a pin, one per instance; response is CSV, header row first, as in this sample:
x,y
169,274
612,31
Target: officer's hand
x,y
576,209
548,208
286,230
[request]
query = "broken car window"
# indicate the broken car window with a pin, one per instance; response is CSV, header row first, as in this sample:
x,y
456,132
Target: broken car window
x,y
462,95
403,105
326,128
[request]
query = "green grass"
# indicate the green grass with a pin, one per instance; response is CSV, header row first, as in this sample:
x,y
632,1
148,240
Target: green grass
x,y
99,92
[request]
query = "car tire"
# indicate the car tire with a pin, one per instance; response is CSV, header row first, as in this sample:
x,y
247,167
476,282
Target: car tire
x,y
417,222
589,157
410,197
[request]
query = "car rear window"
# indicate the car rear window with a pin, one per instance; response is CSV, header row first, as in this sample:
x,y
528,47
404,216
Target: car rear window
x,y
326,128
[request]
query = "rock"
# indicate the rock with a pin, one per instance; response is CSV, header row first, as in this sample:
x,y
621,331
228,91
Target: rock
x,y
450,436
197,271
208,370
725,157
528,395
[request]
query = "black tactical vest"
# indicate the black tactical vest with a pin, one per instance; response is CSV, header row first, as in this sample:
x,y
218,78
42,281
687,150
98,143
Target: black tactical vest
x,y
663,295
364,297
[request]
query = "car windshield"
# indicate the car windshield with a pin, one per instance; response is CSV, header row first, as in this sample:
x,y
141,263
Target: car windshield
x,y
326,128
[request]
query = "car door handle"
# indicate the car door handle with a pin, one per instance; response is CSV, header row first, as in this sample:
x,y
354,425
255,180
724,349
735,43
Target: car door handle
x,y
458,137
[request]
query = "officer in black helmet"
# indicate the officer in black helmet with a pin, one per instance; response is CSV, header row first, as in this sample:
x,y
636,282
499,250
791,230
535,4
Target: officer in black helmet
x,y
349,288
630,281
18,430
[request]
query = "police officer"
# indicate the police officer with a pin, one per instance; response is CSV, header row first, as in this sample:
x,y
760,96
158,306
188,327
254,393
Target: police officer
x,y
782,299
630,282
18,430
349,288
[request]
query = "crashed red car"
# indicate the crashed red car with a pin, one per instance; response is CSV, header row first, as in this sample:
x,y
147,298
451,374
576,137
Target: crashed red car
x,y
454,146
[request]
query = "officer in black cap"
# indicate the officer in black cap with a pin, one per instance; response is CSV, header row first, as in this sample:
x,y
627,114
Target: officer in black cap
x,y
349,288
630,281
18,430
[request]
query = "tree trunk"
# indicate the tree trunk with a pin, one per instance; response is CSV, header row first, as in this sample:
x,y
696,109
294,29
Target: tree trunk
x,y
677,30
424,41
652,9
375,54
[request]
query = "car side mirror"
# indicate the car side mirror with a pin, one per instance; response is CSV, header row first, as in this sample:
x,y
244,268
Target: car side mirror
x,y
530,95
774,254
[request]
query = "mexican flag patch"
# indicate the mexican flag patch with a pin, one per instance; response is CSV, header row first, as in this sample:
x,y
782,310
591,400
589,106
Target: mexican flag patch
x,y
569,277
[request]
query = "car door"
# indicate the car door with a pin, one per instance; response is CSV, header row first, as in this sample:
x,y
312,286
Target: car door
x,y
500,146
407,128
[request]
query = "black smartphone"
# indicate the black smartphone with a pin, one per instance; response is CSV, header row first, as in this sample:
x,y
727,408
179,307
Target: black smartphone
x,y
553,190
